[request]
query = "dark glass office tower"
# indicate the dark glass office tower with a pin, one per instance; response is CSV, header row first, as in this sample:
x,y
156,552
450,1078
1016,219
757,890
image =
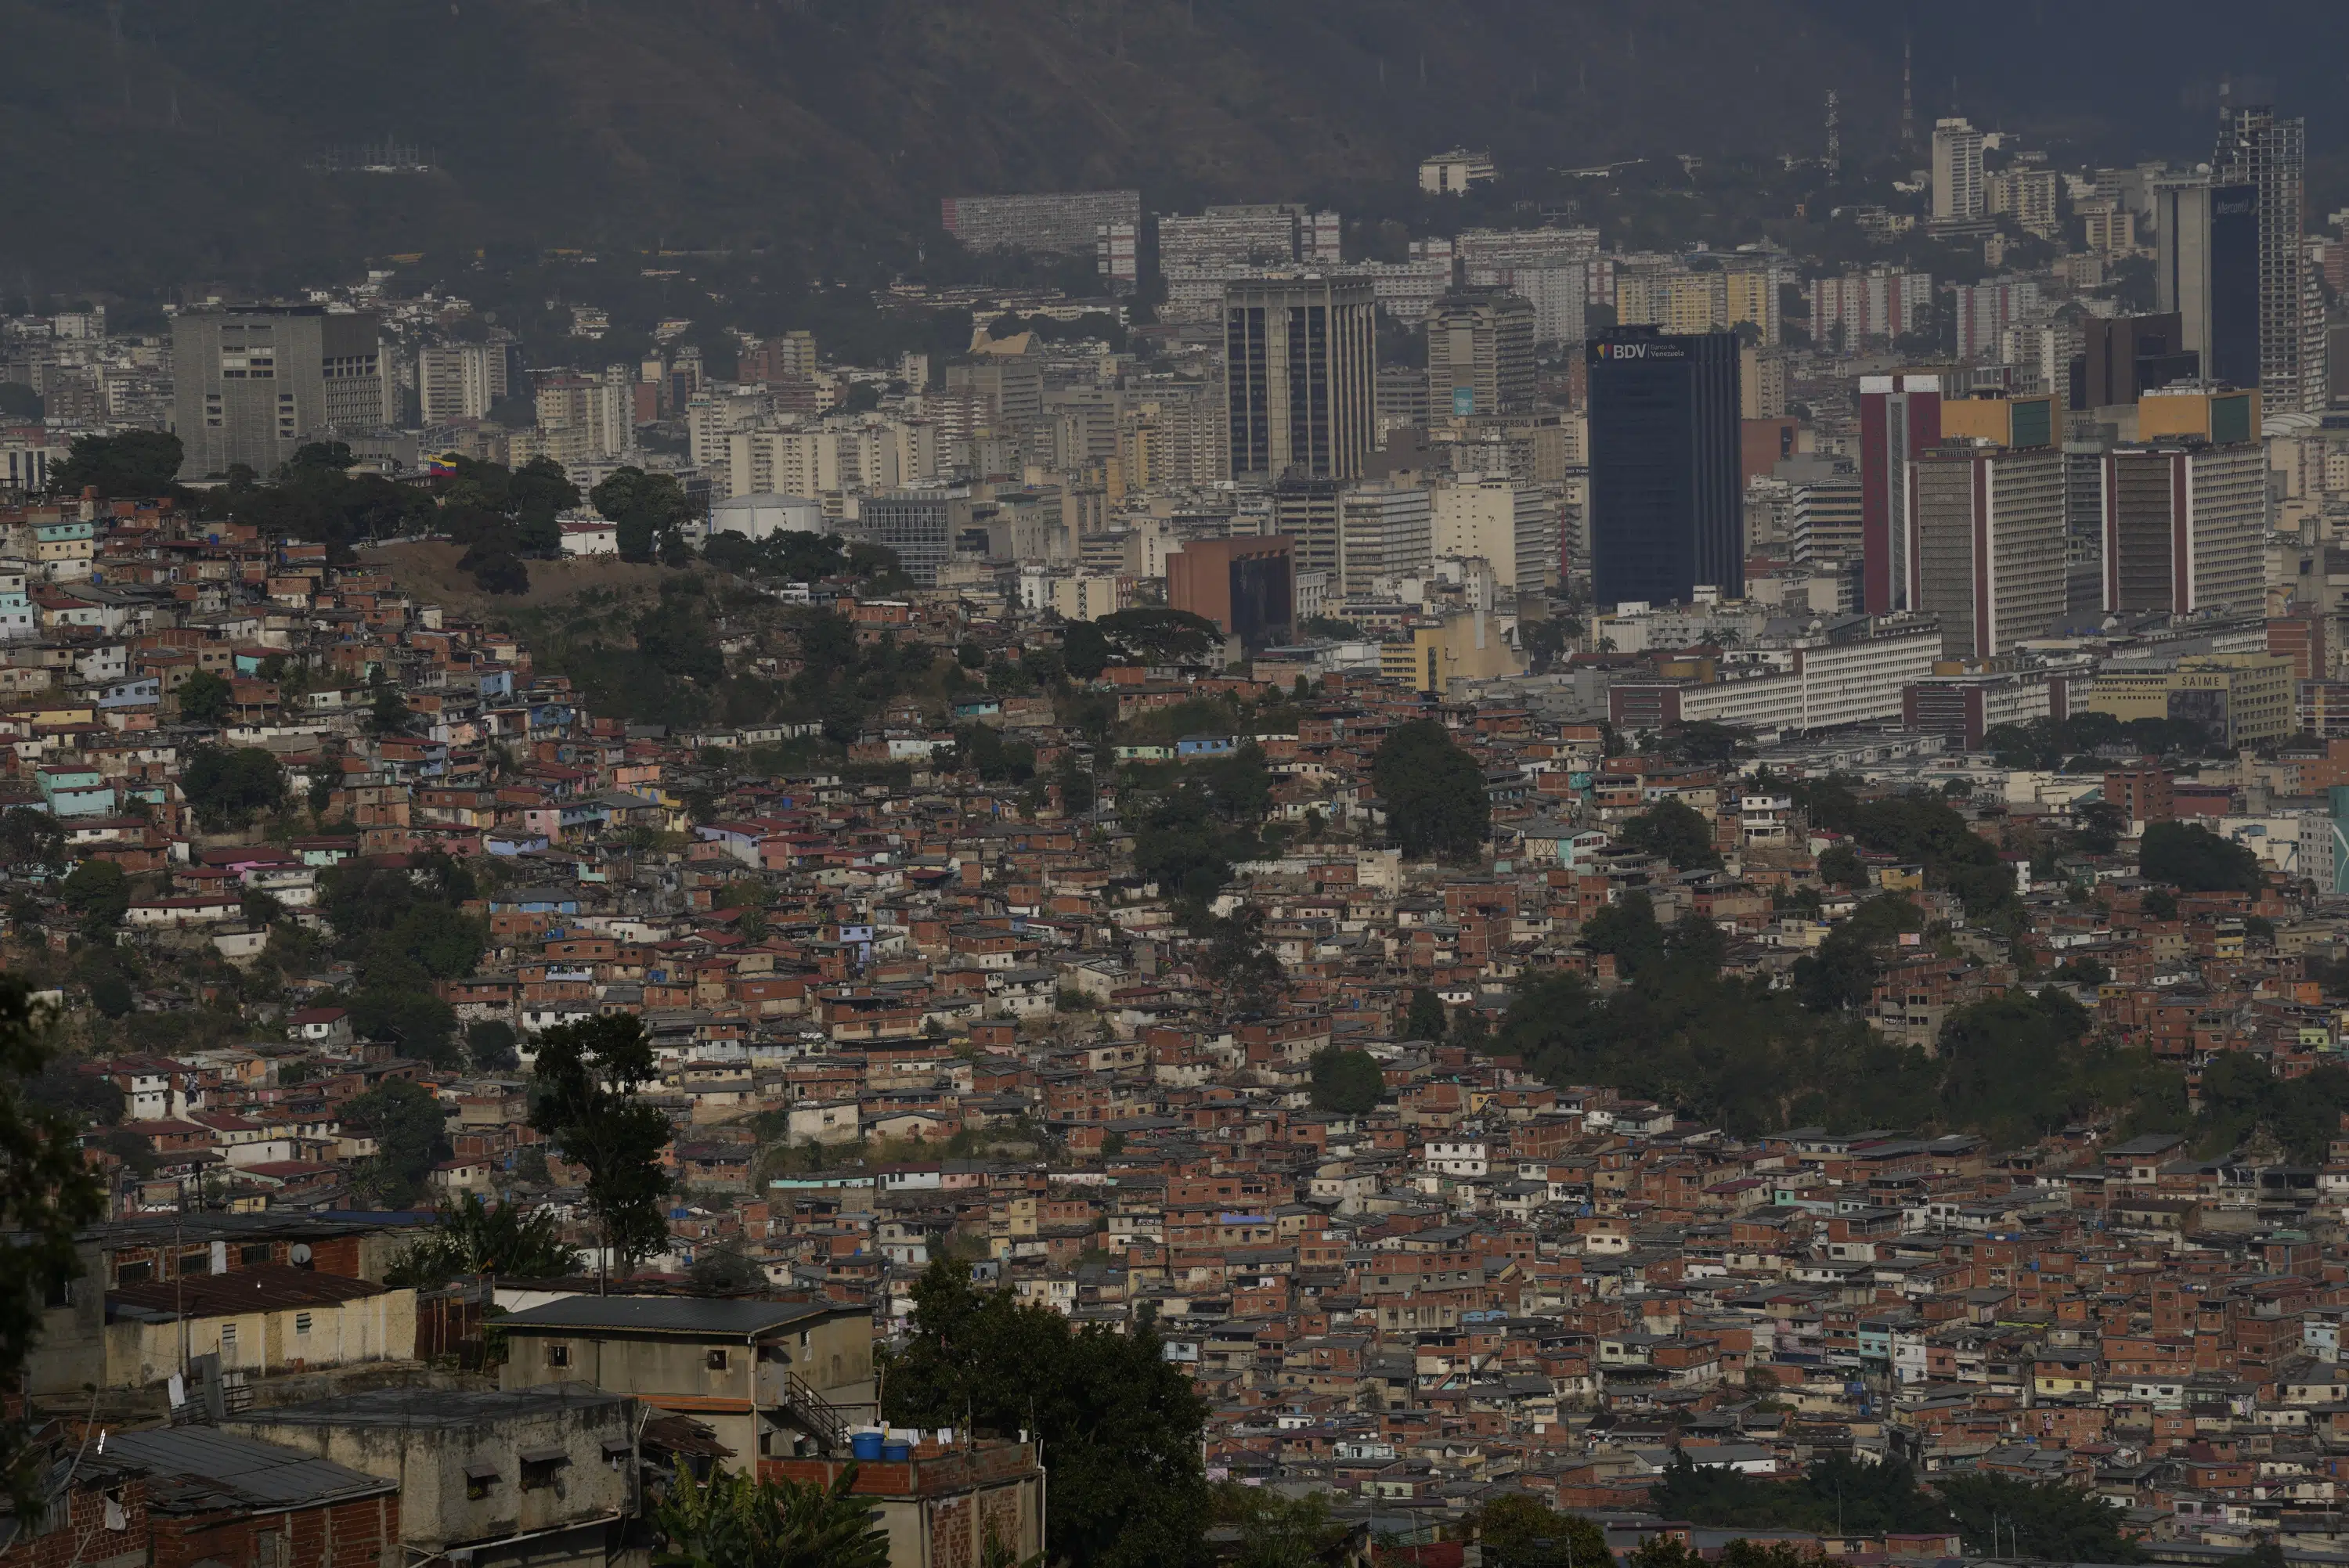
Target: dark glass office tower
x,y
1665,513
2235,355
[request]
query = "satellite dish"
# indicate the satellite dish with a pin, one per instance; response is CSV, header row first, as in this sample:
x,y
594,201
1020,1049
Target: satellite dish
x,y
299,1252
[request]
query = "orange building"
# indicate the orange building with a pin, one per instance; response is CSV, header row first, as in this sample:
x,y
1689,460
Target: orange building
x,y
1246,586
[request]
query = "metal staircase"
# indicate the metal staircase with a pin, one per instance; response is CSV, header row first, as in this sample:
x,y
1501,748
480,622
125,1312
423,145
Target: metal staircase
x,y
814,1413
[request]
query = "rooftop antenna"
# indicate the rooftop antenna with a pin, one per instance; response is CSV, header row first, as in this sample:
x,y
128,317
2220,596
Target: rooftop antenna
x,y
1908,101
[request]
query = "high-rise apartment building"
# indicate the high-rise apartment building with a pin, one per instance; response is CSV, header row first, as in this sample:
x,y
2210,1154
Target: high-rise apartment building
x,y
920,525
1301,358
1401,398
2182,527
1491,250
2028,196
1750,295
582,418
1672,299
1548,268
460,380
1262,235
788,356
1880,303
1010,388
1986,309
1055,220
1958,192
1986,545
1510,524
1665,513
1386,528
252,383
1480,353
1761,383
1899,418
2271,156
1199,253
1828,521
1305,511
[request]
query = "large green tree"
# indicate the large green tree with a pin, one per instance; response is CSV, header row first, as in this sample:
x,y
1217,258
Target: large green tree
x,y
646,510
1426,1020
1280,1531
2193,859
1842,972
1151,636
410,1128
587,1079
1348,1082
2045,1521
734,1520
471,1237
1674,833
1120,1425
98,893
1191,833
46,1194
204,697
1519,1531
1836,1493
133,463
1914,827
1434,792
675,634
387,710
30,836
229,788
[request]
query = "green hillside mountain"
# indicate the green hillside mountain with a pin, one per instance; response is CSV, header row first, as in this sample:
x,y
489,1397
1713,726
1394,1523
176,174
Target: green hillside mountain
x,y
154,142
174,136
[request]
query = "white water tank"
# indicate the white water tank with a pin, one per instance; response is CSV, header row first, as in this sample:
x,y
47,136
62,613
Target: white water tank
x,y
757,516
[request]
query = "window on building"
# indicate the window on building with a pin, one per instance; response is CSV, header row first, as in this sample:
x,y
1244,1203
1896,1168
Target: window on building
x,y
718,1361
228,1337
192,1263
301,1323
253,1254
479,1478
558,1355
541,1467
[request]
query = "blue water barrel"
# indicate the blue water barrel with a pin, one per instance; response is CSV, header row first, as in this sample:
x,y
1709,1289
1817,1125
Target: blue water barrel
x,y
865,1445
896,1453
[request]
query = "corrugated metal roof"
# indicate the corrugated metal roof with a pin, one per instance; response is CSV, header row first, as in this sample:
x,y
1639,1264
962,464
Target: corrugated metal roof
x,y
215,1468
269,1288
666,1315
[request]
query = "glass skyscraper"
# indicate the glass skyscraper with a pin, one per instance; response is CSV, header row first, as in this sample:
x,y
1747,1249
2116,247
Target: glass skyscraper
x,y
1665,501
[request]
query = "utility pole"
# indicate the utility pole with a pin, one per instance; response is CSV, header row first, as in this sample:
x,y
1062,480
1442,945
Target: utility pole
x,y
180,1272
1835,137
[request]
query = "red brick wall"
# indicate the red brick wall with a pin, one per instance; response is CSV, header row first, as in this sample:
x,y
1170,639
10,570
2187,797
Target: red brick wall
x,y
344,1535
